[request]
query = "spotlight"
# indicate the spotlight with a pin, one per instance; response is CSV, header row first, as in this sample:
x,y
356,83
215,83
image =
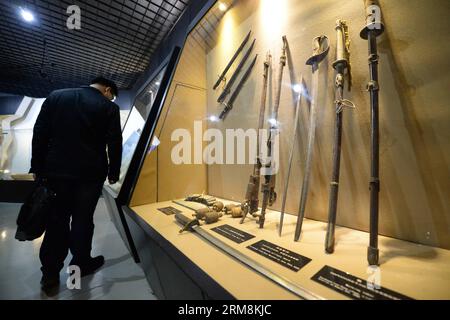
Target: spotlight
x,y
157,83
298,88
272,121
26,15
213,119
222,6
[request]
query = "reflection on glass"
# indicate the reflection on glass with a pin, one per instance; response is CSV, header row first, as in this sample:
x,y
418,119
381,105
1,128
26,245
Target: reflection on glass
x,y
135,123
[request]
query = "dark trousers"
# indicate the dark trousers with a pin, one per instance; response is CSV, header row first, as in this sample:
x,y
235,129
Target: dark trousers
x,y
76,200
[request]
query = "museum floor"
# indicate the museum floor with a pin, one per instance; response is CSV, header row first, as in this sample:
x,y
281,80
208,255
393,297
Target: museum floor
x,y
119,278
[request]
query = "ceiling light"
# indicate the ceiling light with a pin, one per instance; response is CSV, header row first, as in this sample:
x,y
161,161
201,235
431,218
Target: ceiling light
x,y
222,6
26,15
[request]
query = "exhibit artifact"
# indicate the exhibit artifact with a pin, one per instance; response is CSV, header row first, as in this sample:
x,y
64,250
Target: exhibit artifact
x,y
374,28
342,67
320,50
230,63
268,186
250,204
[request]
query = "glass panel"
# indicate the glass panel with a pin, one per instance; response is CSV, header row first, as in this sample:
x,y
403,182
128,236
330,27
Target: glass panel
x,y
135,123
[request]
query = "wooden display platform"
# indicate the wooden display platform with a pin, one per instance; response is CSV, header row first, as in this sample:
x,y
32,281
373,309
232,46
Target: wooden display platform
x,y
413,270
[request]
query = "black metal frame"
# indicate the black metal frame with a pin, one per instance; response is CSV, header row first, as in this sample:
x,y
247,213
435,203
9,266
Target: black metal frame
x,y
115,201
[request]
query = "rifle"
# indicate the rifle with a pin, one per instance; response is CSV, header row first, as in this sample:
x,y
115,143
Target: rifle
x,y
233,78
224,72
340,65
250,205
374,28
268,186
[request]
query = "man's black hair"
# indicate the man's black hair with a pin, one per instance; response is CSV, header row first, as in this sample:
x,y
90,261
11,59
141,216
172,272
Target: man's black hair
x,y
107,83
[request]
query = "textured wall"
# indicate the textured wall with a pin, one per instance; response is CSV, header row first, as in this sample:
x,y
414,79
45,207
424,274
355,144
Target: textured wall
x,y
414,111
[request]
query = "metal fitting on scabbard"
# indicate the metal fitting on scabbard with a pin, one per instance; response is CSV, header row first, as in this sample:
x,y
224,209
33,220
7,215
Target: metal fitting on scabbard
x,y
343,103
372,85
374,184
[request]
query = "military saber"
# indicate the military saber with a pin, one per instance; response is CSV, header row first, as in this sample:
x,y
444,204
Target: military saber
x,y
229,105
268,186
374,28
233,78
291,154
230,63
320,50
261,269
250,204
341,64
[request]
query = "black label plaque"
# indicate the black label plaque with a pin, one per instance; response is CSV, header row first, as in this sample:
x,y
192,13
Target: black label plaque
x,y
169,210
285,257
354,287
232,233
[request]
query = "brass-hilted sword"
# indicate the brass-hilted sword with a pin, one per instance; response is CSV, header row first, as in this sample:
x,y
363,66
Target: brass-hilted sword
x,y
341,65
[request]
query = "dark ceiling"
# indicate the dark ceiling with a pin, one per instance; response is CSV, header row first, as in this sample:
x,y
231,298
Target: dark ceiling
x,y
116,40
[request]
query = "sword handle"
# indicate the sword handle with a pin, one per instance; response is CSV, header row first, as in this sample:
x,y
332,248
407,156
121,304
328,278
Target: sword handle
x,y
320,50
374,23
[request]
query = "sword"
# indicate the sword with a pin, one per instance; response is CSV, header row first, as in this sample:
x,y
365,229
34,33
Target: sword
x,y
320,50
250,205
233,78
224,72
374,28
229,105
340,65
268,186
291,154
193,225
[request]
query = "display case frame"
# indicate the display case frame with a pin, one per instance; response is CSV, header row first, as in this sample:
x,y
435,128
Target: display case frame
x,y
115,200
399,251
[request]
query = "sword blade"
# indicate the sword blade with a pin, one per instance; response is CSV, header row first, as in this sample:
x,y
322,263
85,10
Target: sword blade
x,y
291,157
309,151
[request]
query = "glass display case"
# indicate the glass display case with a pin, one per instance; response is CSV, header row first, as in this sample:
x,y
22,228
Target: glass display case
x,y
134,124
135,133
246,163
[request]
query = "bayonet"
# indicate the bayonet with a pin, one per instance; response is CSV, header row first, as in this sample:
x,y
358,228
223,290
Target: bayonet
x,y
224,72
229,105
233,78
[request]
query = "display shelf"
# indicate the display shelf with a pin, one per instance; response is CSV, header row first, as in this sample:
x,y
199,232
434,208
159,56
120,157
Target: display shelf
x,y
404,266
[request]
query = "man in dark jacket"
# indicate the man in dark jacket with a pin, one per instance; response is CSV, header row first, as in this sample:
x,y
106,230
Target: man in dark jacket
x,y
77,143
